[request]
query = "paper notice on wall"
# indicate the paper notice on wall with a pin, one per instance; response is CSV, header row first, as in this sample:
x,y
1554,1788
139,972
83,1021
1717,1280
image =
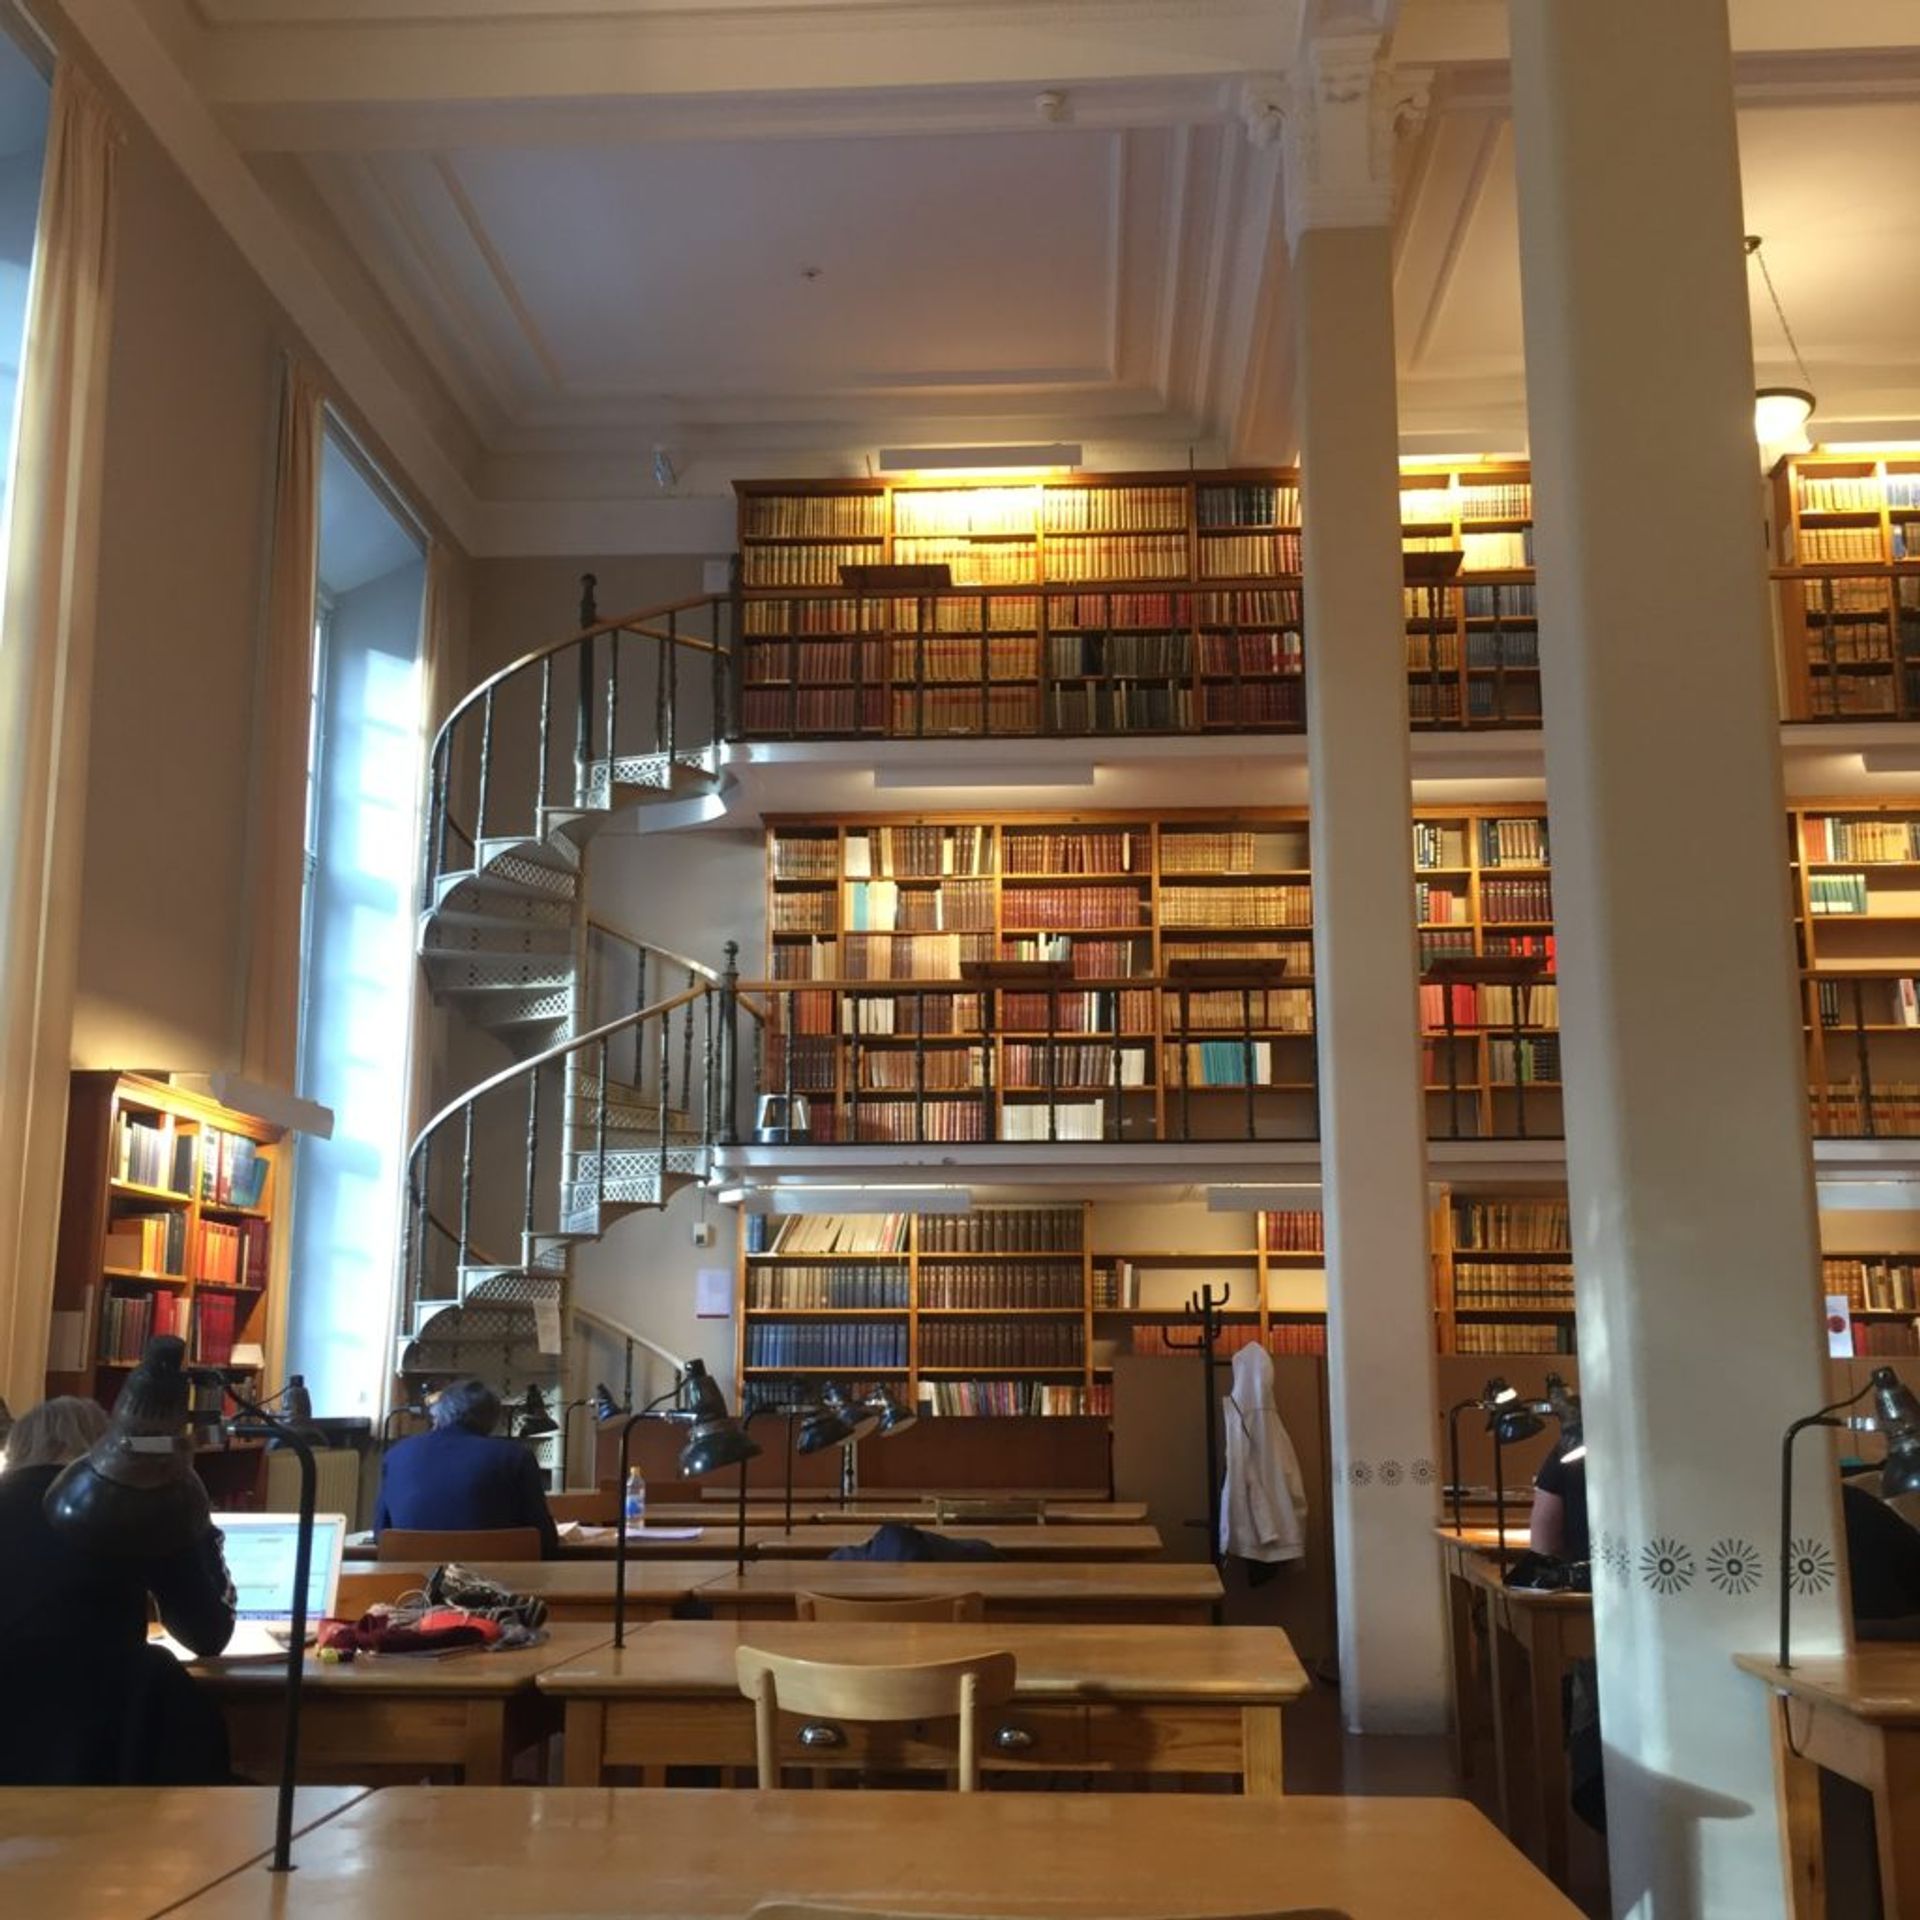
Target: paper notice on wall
x,y
713,1294
1839,1328
546,1325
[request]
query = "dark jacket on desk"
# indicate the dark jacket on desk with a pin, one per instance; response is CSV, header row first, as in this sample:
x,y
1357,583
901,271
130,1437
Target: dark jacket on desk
x,y
86,1701
454,1480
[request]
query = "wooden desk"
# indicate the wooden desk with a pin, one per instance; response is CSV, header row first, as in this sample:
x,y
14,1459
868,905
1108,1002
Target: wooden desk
x,y
1531,1640
1089,1699
873,1511
1857,1715
1181,1594
138,1851
715,1856
470,1713
576,1590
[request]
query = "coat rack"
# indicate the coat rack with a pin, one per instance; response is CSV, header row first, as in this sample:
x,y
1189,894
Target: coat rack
x,y
1205,1307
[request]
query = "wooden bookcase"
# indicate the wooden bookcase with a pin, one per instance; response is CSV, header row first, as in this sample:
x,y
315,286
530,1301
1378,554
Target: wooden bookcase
x,y
206,1274
1092,604
898,1044
1883,1299
1473,639
1847,541
1483,888
1502,1273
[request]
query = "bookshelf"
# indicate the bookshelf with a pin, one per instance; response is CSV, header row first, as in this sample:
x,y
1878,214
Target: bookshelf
x,y
1847,546
1092,604
1883,1299
167,1218
1502,1273
1044,977
1483,891
1473,635
1010,1311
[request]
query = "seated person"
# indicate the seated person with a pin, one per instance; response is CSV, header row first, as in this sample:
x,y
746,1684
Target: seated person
x,y
1559,1519
1883,1561
459,1478
89,1702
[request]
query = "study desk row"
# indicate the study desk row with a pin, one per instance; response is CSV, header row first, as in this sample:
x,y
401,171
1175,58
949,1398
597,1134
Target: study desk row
x,y
404,1851
1104,1699
715,1535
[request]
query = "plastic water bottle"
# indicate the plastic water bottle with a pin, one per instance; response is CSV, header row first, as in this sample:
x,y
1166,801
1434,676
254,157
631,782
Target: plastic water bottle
x,y
636,1509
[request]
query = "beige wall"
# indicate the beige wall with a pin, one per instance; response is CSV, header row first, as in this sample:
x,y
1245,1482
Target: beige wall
x,y
520,604
190,428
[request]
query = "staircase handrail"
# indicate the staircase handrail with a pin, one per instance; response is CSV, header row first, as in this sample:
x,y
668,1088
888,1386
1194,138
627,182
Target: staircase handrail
x,y
599,923
630,623
621,1331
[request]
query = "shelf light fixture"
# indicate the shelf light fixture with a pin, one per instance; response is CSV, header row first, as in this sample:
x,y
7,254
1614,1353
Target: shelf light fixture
x,y
979,463
1780,414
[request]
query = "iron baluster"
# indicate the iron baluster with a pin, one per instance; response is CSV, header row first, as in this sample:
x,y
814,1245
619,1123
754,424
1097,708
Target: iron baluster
x,y
486,772
546,733
613,713
673,703
686,1043
443,781
1869,1119
466,1183
709,1068
600,1139
533,1154
729,1073
583,693
666,1078
425,1208
717,685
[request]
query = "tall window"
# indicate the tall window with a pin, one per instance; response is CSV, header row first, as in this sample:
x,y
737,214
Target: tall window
x,y
357,962
23,150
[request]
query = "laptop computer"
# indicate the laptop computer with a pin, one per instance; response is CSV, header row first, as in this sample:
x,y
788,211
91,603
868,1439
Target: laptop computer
x,y
261,1549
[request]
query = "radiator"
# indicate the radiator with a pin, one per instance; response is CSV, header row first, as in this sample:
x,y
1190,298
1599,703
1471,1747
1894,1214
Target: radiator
x,y
336,1482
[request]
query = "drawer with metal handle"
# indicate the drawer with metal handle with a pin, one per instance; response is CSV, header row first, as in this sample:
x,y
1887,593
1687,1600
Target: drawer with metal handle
x,y
1010,1737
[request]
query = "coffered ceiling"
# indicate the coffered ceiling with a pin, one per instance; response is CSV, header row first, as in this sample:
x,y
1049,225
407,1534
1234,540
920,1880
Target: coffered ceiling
x,y
772,237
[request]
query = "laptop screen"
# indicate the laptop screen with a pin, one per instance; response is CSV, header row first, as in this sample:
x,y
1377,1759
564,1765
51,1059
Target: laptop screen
x,y
260,1556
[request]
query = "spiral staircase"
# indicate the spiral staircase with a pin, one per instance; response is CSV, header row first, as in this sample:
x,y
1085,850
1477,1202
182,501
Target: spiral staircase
x,y
620,1077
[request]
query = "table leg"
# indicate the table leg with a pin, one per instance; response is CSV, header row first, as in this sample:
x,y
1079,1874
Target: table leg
x,y
1896,1832
486,1762
1466,1691
1546,1657
1260,1752
1796,1783
1503,1658
586,1728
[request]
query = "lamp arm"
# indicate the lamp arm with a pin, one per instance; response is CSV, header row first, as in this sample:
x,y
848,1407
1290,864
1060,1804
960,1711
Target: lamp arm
x,y
1824,1418
1453,1455
259,1421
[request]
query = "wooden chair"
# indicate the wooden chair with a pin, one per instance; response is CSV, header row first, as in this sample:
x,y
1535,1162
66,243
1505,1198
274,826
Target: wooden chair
x,y
480,1547
600,1508
932,1606
938,1690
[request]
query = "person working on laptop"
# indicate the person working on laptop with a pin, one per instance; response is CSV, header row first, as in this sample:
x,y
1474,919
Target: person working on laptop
x,y
88,1702
460,1478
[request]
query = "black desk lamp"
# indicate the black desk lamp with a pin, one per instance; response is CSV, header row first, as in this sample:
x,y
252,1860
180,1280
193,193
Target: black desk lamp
x,y
1513,1420
1494,1395
535,1422
716,1440
1897,1415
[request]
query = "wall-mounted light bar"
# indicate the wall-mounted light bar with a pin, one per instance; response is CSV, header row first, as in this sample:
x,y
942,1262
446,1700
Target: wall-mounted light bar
x,y
966,462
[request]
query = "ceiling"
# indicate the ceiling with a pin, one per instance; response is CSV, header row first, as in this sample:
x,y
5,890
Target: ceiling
x,y
772,238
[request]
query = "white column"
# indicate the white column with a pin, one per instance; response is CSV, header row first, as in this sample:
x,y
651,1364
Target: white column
x,y
1365,957
1695,1239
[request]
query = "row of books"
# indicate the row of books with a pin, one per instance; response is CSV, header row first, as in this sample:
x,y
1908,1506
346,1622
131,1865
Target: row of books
x,y
810,710
1257,906
1479,1284
1295,1230
1840,493
1000,1343
1254,652
1287,1009
216,1324
1490,1007
915,1069
1885,1283
1880,1003
972,564
819,1289
231,1255
1439,844
805,856
1260,504
801,913
1092,654
909,1123
1534,1059
886,1015
977,1286
1830,836
923,712
1511,1226
1496,650
1053,1120
233,1170
1234,850
1113,509
949,660
1012,1399
1496,552
147,1242
815,516
1248,556
1853,694
1174,1341
1514,841
1003,1230
953,906
1254,703
1831,595
829,1233
1076,1012
1506,899
1068,908
1834,546
1512,1336
1502,600
1849,642
1221,1063
816,566
1838,893
912,956
1138,556
156,1154
1441,904
1034,1066
1043,850
1430,705
814,1344
1843,1110
919,852
966,510
1489,701
1121,706
129,1320
1876,1339
772,618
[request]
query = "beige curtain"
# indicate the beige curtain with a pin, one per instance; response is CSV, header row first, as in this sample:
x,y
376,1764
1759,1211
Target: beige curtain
x,y
270,1034
52,543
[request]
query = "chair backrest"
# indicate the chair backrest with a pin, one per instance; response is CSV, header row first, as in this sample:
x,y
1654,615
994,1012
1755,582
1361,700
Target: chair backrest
x,y
600,1508
479,1545
809,1910
931,1606
936,1690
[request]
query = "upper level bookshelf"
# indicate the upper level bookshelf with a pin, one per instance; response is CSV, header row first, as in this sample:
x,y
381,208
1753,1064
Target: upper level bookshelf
x,y
1847,557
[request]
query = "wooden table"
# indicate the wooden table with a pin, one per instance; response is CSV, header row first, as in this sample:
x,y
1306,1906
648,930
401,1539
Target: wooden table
x,y
1096,1699
1531,1640
577,1590
505,1852
1179,1594
1857,1715
137,1851
469,1712
810,1509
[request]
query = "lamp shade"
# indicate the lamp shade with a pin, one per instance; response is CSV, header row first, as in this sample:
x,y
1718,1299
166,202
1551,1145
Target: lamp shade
x,y
860,1421
1899,1419
1497,1393
1514,1423
535,1420
717,1439
1780,416
891,1415
821,1427
605,1407
134,1493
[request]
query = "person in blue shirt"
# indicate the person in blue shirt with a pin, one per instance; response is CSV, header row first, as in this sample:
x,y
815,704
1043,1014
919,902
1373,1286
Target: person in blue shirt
x,y
460,1477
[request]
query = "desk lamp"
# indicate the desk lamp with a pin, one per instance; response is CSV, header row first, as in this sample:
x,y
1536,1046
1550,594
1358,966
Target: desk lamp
x,y
1494,1395
1512,1420
716,1440
535,1422
1897,1415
